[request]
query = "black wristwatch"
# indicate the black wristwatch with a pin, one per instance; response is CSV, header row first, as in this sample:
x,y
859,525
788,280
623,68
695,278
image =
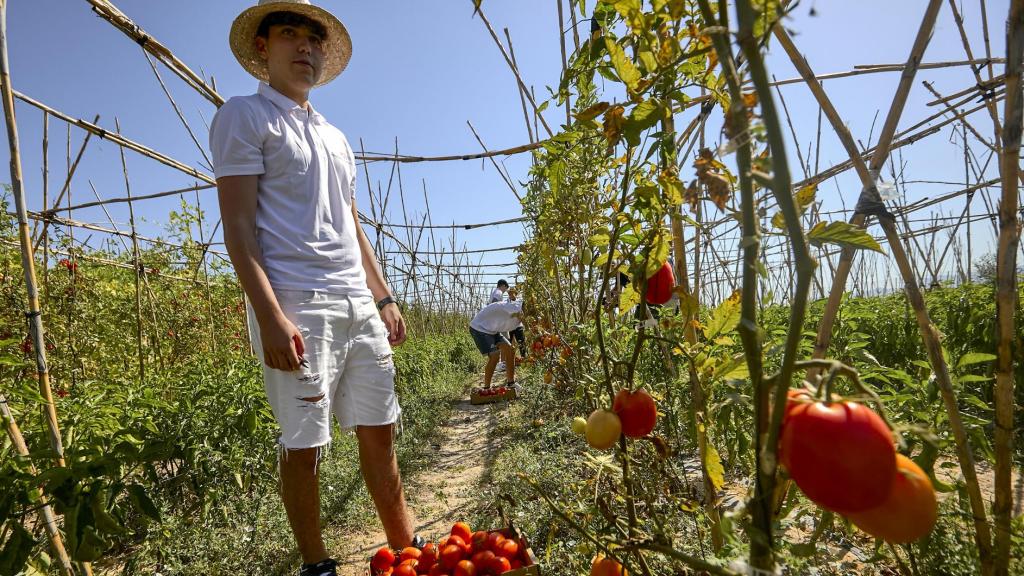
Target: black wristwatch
x,y
385,301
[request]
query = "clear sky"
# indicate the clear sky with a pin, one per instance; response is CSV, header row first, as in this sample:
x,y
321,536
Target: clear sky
x,y
419,72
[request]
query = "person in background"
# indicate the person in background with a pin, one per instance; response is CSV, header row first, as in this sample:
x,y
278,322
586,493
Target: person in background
x,y
498,294
488,329
517,336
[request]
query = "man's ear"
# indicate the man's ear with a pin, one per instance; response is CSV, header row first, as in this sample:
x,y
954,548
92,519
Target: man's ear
x,y
261,46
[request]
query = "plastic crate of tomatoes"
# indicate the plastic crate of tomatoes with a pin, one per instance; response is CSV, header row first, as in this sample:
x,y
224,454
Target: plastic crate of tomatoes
x,y
495,394
461,553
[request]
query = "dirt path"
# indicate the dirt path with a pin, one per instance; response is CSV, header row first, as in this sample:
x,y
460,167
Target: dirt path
x,y
440,495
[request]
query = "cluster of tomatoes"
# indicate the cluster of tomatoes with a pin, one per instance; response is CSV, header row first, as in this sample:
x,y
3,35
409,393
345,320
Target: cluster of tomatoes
x,y
462,553
494,391
633,414
841,455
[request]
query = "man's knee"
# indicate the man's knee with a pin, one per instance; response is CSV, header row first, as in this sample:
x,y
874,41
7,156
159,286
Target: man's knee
x,y
301,458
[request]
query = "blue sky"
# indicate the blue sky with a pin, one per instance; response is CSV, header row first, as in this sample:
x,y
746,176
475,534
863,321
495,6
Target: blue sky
x,y
419,72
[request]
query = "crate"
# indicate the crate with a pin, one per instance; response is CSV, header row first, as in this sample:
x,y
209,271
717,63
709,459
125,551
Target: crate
x,y
476,398
532,567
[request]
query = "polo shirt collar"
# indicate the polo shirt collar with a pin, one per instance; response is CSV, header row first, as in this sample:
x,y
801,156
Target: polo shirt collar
x,y
288,105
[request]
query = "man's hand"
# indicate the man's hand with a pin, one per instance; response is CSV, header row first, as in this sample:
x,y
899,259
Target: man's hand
x,y
395,324
283,347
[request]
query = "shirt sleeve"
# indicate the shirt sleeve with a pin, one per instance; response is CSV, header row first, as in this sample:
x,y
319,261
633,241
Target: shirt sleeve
x,y
236,140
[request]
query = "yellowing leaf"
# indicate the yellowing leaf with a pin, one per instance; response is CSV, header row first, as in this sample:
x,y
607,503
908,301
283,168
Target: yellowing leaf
x,y
713,467
593,111
624,67
628,299
725,317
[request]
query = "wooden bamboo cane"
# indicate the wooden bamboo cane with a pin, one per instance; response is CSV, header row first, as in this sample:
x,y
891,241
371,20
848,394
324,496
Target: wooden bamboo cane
x,y
928,332
692,299
515,72
46,190
522,96
46,515
65,189
136,262
1006,286
565,61
34,314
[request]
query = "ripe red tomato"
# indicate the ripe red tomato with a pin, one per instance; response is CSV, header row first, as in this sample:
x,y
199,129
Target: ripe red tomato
x,y
500,565
451,555
659,286
410,553
910,511
509,549
479,540
841,455
606,567
483,558
494,540
461,529
438,570
383,559
637,412
464,568
407,568
458,541
429,556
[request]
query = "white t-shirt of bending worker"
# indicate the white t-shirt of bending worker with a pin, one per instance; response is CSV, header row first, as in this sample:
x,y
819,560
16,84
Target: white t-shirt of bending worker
x,y
307,176
497,317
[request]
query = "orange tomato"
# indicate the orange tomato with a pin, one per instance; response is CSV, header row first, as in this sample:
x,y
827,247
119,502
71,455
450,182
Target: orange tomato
x,y
409,553
451,555
464,568
606,567
407,568
509,549
461,529
910,511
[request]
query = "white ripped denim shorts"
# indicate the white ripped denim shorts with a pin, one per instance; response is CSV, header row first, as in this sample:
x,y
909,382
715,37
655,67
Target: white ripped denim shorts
x,y
347,370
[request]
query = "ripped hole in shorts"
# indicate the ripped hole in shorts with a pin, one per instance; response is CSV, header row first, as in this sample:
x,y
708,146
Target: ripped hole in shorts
x,y
318,402
386,361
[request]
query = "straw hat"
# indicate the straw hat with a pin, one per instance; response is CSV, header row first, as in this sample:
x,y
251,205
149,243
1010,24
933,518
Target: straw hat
x,y
337,46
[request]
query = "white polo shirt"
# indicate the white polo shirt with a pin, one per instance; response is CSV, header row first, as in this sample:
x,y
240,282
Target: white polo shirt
x,y
307,180
497,317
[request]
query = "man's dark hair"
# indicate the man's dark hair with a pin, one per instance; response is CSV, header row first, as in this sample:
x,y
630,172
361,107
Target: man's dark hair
x,y
285,18
502,282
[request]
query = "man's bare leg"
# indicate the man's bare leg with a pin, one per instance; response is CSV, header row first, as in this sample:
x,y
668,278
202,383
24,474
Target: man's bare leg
x,y
379,464
509,354
492,363
300,492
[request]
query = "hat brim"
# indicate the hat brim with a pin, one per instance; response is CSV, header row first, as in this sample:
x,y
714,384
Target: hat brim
x,y
337,46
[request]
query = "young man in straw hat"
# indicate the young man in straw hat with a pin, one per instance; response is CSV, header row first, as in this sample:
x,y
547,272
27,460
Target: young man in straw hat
x,y
323,320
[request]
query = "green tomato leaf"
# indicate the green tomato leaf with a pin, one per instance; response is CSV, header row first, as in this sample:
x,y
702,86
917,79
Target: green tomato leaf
x,y
843,234
624,67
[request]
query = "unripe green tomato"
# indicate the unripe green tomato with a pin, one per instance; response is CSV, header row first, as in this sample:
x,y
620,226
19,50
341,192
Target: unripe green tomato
x,y
579,425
